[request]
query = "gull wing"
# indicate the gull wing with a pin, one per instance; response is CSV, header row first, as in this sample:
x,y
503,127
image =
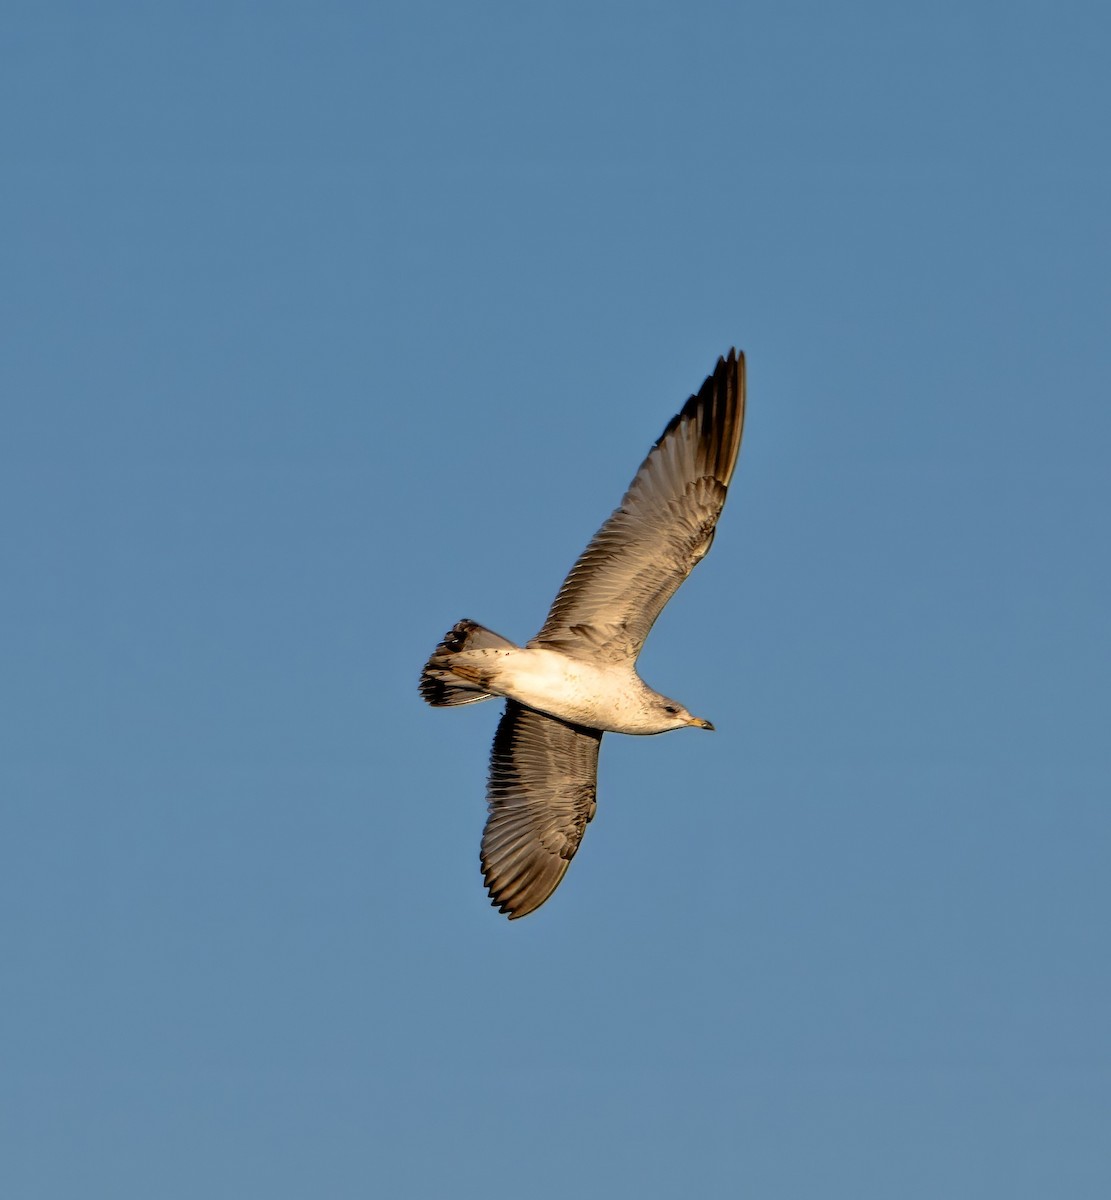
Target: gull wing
x,y
662,529
540,795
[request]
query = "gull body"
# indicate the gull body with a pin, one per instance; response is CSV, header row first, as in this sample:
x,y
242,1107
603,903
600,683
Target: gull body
x,y
613,699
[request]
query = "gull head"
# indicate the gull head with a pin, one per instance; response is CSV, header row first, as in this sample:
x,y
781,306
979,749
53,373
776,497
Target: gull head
x,y
674,716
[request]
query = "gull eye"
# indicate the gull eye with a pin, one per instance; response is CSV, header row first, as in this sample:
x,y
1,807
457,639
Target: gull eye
x,y
670,708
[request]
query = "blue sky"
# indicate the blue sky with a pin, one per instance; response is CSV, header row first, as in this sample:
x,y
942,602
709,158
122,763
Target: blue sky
x,y
325,326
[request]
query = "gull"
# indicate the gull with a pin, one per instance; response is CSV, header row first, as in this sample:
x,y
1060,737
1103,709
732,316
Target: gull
x,y
577,678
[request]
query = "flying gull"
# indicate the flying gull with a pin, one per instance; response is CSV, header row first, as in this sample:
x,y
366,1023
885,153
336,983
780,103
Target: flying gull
x,y
577,678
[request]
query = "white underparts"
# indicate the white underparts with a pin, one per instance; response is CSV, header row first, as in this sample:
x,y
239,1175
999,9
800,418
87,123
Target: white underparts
x,y
607,696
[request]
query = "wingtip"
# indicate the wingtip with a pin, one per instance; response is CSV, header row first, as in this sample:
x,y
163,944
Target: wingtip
x,y
735,359
721,403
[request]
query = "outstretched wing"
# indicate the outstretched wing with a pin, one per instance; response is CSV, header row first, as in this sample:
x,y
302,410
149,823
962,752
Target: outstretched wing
x,y
543,775
662,529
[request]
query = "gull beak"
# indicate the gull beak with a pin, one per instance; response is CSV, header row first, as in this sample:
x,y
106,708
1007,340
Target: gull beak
x,y
700,724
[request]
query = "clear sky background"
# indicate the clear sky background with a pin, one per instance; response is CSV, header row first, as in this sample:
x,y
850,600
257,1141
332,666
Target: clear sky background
x,y
326,325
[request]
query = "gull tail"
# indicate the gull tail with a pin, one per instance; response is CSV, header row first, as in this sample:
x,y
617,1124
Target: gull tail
x,y
439,684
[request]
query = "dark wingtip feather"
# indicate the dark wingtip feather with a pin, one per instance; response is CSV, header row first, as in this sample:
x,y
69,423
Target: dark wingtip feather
x,y
719,408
